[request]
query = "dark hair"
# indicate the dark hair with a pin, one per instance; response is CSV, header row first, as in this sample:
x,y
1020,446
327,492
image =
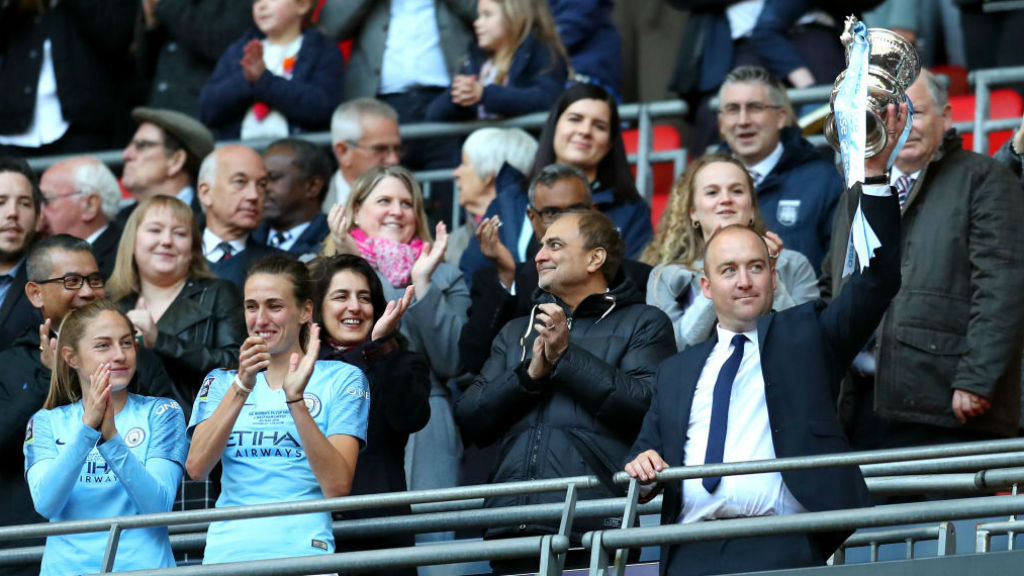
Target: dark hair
x,y
38,264
19,166
311,160
297,274
548,175
598,231
324,270
613,170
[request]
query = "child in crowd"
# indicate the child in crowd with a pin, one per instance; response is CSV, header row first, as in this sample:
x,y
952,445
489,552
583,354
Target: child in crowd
x,y
517,66
281,79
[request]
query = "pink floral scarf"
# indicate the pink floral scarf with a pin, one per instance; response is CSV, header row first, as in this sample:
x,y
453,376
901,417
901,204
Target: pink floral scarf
x,y
393,259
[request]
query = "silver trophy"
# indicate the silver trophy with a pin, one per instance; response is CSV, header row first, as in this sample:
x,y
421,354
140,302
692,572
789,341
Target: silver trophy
x,y
892,67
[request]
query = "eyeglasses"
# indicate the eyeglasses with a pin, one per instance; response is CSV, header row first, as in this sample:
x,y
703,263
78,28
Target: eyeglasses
x,y
76,281
55,197
378,150
142,145
552,212
752,108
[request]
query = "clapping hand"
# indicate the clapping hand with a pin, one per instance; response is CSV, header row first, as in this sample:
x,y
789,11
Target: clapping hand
x,y
144,324
253,357
491,247
430,258
47,345
97,409
774,243
388,321
466,91
337,223
300,368
252,61
551,342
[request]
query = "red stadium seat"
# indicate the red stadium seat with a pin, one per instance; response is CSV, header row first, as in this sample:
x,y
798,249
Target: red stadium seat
x,y
665,138
1005,103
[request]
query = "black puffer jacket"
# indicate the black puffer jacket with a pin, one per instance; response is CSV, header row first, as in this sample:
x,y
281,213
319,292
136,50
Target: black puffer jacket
x,y
585,415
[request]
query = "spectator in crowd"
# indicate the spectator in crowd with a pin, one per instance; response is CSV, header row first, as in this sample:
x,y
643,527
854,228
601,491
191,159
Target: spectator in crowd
x,y
583,130
20,201
58,95
364,134
796,188
588,32
189,318
362,330
946,366
795,39
1011,154
163,158
232,188
561,402
284,78
505,290
178,43
384,222
297,176
739,396
516,66
488,155
285,427
80,198
25,381
715,191
80,463
406,56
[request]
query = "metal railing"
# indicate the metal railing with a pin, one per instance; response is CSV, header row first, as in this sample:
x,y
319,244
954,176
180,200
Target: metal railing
x,y
983,80
926,456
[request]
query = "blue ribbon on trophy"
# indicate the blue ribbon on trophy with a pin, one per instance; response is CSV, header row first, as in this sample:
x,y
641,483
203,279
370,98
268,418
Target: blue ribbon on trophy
x,y
850,109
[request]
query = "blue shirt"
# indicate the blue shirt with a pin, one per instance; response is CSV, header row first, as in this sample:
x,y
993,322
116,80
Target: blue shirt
x,y
61,452
264,461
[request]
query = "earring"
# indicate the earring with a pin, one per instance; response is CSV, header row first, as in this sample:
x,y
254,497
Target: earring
x,y
696,224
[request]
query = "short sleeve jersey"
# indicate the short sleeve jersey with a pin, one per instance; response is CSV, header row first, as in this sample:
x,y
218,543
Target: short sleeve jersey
x,y
264,461
151,427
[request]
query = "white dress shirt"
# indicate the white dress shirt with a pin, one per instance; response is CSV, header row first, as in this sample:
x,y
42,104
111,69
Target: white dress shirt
x,y
211,244
48,124
748,437
743,17
412,51
291,235
337,192
766,165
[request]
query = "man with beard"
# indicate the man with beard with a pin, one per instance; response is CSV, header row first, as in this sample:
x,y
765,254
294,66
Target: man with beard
x,y
19,211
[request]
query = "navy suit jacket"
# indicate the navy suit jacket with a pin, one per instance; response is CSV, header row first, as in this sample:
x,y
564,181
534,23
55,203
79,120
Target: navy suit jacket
x,y
234,269
16,312
307,243
801,391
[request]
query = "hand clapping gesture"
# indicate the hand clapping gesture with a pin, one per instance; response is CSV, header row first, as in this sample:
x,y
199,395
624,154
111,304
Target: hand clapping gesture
x,y
252,61
337,223
47,345
143,322
466,91
491,247
429,260
98,410
253,357
551,342
389,320
301,368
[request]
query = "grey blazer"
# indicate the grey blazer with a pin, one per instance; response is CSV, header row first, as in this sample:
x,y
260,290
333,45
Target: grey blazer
x,y
366,21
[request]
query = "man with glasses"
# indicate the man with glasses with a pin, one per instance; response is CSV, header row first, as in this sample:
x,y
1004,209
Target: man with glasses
x,y
19,212
364,134
797,189
505,291
62,276
163,157
80,198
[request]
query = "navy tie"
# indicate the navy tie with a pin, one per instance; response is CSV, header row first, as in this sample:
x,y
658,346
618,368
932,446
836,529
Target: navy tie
x,y
720,411
227,249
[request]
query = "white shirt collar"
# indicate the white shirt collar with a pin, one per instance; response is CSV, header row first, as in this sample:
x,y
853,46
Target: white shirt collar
x,y
725,336
895,174
92,237
292,234
211,240
186,195
768,163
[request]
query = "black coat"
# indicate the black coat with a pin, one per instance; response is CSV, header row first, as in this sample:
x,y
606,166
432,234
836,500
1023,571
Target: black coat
x,y
492,306
202,329
234,269
104,249
179,54
86,36
580,419
16,312
399,405
800,396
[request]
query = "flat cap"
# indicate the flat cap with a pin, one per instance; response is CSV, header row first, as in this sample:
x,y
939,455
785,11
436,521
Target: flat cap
x,y
195,137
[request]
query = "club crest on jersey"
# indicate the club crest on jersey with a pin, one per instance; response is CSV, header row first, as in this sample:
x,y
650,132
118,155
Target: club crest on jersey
x,y
134,437
788,212
312,404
